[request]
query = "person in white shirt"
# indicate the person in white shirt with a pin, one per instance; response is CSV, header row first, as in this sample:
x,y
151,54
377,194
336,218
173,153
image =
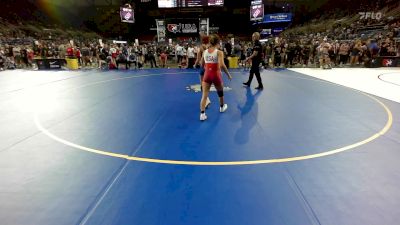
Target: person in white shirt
x,y
179,53
17,55
191,57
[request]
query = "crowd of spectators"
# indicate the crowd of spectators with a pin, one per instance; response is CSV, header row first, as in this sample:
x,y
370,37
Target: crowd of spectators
x,y
344,44
22,52
354,44
344,47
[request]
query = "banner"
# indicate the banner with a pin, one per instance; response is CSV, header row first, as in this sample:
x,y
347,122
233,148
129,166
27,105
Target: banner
x,y
119,42
49,64
256,2
266,32
213,30
127,15
189,3
277,18
161,34
204,26
256,12
390,61
277,31
184,27
172,28
386,61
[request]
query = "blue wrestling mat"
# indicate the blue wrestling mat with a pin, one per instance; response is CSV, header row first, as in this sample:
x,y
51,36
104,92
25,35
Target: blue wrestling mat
x,y
127,147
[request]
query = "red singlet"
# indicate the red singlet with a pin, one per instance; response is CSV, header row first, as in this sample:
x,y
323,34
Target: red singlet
x,y
212,73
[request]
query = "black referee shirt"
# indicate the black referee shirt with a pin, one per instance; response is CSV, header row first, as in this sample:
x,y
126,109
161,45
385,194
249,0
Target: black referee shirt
x,y
257,47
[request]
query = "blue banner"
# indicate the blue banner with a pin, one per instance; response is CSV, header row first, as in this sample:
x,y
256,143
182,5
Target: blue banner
x,y
276,31
271,31
277,18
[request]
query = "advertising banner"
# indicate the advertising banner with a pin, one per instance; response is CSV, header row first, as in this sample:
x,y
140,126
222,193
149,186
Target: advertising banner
x,y
271,31
50,64
277,18
127,15
385,61
182,27
204,26
256,12
256,2
390,61
276,31
161,34
173,28
189,3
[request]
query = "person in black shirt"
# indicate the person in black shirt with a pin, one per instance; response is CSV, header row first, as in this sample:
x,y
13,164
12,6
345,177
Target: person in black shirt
x,y
228,48
291,52
277,55
256,60
305,54
151,56
24,55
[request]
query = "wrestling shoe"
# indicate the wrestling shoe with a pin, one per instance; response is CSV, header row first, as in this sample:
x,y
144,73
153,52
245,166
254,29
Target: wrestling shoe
x,y
203,116
223,108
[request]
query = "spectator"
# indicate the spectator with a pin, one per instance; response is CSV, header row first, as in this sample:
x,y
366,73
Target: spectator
x,y
163,59
344,53
191,56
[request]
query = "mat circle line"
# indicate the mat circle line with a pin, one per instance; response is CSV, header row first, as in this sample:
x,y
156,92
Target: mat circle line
x,y
216,163
389,82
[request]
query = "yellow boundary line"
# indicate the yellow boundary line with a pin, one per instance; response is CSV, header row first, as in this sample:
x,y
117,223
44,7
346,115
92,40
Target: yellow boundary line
x,y
216,163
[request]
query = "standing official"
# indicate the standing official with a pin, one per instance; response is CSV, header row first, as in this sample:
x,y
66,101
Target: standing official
x,y
255,57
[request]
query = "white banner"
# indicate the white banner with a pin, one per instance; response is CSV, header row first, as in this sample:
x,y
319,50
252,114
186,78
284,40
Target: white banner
x,y
119,42
204,26
160,30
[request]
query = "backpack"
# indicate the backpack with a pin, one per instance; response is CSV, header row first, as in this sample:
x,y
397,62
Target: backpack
x,y
132,58
121,57
102,56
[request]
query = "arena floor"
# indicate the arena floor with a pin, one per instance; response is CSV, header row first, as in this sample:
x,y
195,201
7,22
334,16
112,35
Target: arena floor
x,y
315,147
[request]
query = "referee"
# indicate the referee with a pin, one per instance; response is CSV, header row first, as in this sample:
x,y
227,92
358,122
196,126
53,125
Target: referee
x,y
256,60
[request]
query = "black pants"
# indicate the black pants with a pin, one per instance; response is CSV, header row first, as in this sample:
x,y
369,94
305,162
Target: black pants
x,y
290,60
255,70
152,60
191,62
277,61
343,59
179,58
127,64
